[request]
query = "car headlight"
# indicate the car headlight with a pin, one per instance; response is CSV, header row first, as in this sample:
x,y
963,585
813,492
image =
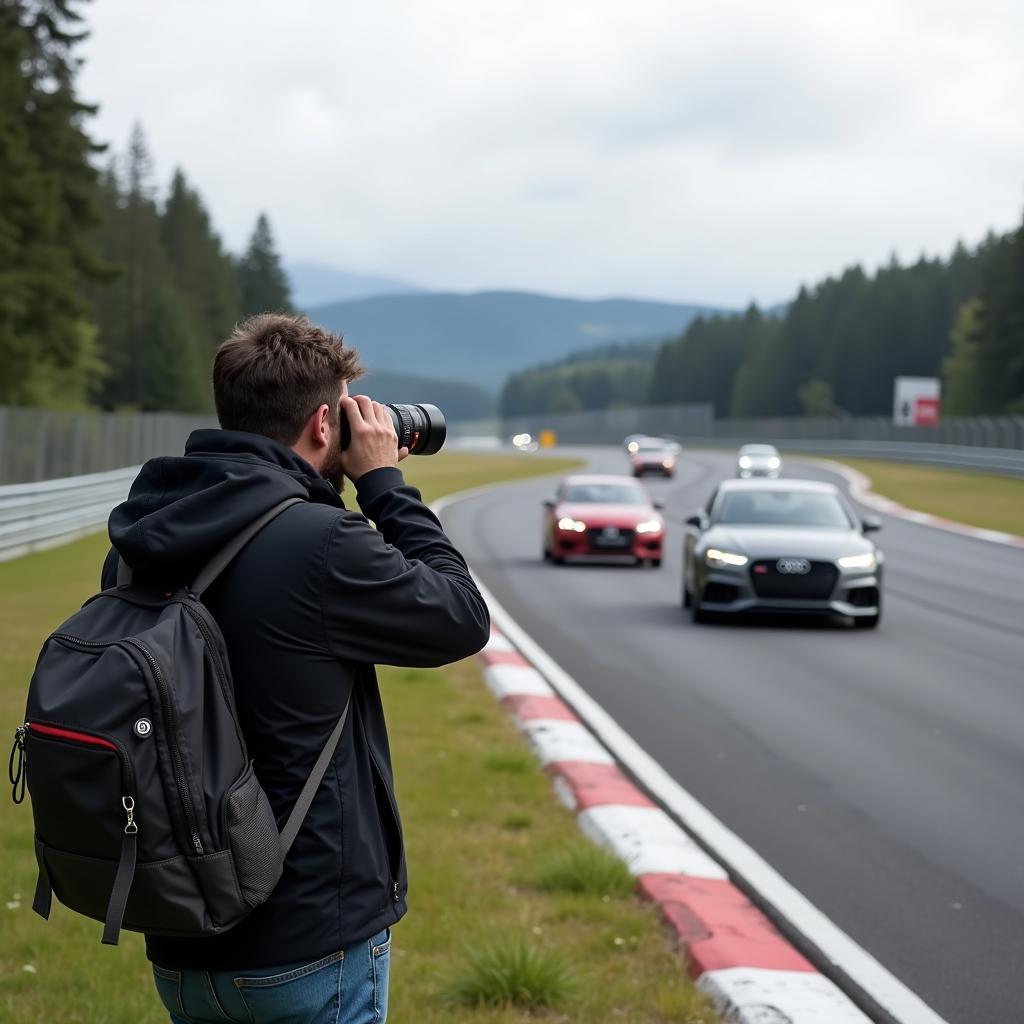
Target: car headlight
x,y
668,463
649,526
632,447
746,462
865,561
571,525
724,558
774,462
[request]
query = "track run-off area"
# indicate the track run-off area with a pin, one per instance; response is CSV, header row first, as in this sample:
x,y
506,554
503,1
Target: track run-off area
x,y
881,772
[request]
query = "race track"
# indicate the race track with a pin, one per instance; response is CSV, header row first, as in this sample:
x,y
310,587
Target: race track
x,y
881,772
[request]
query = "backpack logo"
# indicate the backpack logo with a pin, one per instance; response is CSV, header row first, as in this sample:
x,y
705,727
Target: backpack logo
x,y
142,728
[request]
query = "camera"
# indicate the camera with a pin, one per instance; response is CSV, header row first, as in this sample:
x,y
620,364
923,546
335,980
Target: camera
x,y
420,428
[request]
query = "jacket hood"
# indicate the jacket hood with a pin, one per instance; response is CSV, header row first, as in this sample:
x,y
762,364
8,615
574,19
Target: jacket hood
x,y
182,509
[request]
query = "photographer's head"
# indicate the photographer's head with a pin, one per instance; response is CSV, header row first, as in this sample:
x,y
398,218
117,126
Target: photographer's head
x,y
284,377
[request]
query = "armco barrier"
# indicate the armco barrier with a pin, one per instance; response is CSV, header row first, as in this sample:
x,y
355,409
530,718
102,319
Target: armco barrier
x,y
42,515
1001,461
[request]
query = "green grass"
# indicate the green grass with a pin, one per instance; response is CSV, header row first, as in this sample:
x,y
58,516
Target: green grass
x,y
584,868
514,973
977,499
480,820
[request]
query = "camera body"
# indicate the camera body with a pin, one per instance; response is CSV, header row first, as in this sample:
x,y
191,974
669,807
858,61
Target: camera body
x,y
420,428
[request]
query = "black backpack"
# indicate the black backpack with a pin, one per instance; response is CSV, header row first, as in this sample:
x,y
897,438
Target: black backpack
x,y
147,813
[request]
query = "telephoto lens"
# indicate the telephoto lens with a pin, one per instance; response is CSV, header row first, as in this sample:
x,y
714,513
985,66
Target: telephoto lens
x,y
420,428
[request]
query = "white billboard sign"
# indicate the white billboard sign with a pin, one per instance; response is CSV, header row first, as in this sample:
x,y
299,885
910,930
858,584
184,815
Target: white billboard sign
x,y
916,401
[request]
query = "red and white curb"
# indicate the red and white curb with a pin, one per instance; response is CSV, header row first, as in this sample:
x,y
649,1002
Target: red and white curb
x,y
732,950
860,490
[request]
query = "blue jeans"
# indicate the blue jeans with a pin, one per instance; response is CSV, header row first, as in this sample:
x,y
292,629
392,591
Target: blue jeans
x,y
349,987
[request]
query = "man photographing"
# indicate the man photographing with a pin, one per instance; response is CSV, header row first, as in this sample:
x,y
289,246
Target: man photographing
x,y
307,609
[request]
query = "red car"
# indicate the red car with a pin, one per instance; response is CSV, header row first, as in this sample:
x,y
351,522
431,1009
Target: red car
x,y
600,517
652,455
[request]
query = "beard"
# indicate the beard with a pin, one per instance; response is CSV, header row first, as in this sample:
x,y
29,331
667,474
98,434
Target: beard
x,y
331,470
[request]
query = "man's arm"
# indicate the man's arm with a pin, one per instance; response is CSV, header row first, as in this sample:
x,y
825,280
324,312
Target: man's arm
x,y
403,595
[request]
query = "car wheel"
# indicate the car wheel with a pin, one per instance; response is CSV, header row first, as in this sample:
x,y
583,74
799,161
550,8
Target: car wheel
x,y
687,596
655,563
697,615
868,621
557,560
547,555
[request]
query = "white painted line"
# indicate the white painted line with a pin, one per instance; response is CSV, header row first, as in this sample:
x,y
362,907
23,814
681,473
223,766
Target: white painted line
x,y
511,680
648,840
556,740
757,995
878,982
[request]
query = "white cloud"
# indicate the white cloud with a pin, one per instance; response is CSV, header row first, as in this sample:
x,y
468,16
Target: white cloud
x,y
678,150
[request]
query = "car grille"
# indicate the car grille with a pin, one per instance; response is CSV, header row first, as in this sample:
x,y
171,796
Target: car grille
x,y
816,585
623,541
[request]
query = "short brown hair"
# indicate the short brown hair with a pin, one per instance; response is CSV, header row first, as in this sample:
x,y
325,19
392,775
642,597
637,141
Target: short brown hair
x,y
275,371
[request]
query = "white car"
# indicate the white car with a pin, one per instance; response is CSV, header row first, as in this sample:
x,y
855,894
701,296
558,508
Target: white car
x,y
758,460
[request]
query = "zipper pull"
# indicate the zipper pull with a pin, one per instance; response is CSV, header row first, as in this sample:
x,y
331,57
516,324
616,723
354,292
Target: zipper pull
x,y
128,803
394,892
17,764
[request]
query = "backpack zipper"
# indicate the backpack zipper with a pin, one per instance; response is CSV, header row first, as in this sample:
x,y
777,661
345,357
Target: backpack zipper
x,y
170,726
171,723
221,669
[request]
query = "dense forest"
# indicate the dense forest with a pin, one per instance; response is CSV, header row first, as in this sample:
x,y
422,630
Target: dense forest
x,y
595,378
111,294
834,351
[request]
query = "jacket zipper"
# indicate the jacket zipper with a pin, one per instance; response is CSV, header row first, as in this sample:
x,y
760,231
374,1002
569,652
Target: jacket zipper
x,y
398,829
170,726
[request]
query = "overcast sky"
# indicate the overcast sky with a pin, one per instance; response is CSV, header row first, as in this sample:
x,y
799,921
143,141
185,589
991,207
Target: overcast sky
x,y
714,152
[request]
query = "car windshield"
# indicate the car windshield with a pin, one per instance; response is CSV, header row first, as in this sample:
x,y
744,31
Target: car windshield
x,y
605,494
783,508
656,448
758,449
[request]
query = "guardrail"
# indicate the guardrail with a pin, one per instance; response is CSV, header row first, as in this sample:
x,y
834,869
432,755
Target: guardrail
x,y
42,515
1001,461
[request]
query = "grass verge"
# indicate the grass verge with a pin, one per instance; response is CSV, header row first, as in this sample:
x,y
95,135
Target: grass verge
x,y
481,826
977,499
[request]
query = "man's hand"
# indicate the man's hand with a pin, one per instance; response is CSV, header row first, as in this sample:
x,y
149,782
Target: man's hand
x,y
374,443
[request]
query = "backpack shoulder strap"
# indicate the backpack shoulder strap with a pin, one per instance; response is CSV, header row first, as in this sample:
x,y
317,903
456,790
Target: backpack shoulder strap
x,y
220,561
305,798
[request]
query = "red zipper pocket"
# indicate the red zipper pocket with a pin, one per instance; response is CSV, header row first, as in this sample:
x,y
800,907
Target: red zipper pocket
x,y
70,734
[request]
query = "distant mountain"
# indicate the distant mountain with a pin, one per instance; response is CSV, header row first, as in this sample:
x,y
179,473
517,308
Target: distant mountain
x,y
485,336
316,283
456,399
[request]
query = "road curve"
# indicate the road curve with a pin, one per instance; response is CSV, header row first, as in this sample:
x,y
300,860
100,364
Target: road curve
x,y
882,773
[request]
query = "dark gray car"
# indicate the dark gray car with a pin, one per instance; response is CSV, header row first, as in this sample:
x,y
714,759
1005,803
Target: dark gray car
x,y
781,546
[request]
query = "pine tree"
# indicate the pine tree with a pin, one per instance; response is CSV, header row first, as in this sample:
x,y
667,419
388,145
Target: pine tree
x,y
203,273
47,208
264,284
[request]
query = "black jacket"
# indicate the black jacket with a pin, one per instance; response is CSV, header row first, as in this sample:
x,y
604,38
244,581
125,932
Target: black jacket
x,y
307,609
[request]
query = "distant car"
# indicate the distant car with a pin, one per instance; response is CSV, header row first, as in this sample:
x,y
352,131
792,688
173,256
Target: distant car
x,y
758,460
524,443
781,546
653,455
599,516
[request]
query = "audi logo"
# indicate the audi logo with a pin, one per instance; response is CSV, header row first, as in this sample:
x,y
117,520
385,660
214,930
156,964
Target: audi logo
x,y
793,566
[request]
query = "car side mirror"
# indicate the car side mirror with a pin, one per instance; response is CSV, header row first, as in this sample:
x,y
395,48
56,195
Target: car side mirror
x,y
871,524
696,520
659,505
549,503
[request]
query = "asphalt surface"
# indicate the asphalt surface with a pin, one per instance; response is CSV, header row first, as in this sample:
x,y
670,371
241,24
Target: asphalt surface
x,y
881,772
